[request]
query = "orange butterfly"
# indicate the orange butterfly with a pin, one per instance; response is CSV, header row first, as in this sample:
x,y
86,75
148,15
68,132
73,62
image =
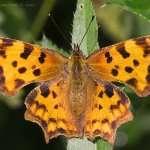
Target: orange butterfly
x,y
76,96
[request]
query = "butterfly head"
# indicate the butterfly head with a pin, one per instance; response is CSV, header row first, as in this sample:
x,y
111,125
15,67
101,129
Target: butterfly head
x,y
76,51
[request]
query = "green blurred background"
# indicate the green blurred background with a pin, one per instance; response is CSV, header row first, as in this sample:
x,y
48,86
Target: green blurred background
x,y
28,20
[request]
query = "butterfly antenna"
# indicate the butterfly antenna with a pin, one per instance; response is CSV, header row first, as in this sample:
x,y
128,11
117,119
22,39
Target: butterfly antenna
x,y
60,31
87,30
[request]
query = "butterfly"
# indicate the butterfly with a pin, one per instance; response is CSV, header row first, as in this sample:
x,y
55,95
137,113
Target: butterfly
x,y
76,96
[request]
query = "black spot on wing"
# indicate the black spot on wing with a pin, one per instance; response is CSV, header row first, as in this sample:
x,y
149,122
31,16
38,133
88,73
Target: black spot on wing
x,y
22,70
146,51
19,83
42,58
33,67
53,120
27,51
42,106
100,107
141,41
116,66
132,82
114,72
3,53
14,63
109,58
122,51
94,121
135,62
114,124
54,94
128,69
6,42
56,106
112,107
118,103
105,121
101,94
31,97
37,72
107,54
109,90
45,90
63,121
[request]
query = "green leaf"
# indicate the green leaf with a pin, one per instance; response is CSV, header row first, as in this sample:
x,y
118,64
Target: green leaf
x,y
82,19
104,145
80,144
49,44
140,7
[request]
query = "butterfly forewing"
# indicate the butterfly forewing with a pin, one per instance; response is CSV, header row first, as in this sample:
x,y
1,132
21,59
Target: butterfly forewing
x,y
127,62
22,63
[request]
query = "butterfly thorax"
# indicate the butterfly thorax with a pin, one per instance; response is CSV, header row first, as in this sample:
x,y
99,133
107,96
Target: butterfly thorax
x,y
77,63
78,80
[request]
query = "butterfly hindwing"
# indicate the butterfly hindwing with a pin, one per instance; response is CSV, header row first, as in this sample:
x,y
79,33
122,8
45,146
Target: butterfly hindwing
x,y
47,105
22,63
107,108
127,62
